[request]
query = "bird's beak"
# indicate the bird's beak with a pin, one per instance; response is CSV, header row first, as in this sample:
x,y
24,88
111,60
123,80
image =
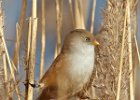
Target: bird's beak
x,y
95,43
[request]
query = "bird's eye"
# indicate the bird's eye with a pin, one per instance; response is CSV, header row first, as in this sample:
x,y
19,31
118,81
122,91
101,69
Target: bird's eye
x,y
87,39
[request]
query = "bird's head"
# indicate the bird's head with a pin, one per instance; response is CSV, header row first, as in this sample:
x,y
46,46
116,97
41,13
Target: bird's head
x,y
79,39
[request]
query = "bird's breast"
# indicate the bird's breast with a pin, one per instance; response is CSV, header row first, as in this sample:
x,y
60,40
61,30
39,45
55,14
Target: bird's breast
x,y
81,67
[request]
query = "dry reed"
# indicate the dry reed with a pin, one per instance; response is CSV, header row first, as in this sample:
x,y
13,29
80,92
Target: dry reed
x,y
59,7
3,63
93,16
112,68
131,70
16,55
121,58
138,54
78,15
43,40
6,58
5,75
71,12
20,31
32,49
27,60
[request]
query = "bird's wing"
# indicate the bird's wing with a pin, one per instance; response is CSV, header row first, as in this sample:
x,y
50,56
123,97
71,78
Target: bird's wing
x,y
49,93
49,77
50,80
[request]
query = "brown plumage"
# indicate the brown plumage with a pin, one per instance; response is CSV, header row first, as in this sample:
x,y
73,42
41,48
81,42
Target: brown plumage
x,y
72,68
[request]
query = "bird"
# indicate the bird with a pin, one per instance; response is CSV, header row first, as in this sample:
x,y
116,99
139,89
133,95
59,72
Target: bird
x,y
72,68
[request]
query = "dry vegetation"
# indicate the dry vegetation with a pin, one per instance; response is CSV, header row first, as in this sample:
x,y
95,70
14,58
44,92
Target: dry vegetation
x,y
115,71
114,77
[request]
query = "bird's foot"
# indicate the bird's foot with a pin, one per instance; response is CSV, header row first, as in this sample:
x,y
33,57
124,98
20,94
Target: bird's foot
x,y
34,85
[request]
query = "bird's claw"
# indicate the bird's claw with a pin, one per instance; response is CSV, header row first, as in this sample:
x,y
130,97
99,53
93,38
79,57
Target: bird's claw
x,y
35,85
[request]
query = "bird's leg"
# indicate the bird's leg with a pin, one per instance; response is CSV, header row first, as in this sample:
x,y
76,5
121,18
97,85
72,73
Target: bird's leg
x,y
35,85
84,94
